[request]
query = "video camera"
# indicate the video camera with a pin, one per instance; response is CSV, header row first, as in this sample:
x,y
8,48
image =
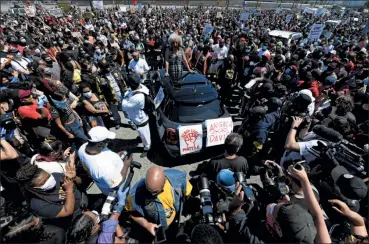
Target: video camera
x,y
208,214
249,193
111,199
339,150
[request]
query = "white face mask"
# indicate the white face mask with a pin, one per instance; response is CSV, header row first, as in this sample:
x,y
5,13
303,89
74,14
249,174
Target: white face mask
x,y
87,94
49,184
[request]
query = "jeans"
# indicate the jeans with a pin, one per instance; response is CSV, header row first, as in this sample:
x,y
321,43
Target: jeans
x,y
76,129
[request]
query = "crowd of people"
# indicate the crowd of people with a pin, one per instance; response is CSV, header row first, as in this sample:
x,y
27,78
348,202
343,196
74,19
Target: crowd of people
x,y
303,105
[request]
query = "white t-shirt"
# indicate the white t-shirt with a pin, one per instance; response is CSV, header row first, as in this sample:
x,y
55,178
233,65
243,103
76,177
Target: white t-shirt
x,y
221,52
304,153
104,168
139,66
19,64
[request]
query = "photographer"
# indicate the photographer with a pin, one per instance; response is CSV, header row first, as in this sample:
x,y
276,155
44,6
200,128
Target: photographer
x,y
300,150
157,200
86,227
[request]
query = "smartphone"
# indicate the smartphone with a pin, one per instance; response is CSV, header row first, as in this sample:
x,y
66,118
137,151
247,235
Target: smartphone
x,y
160,235
283,188
249,193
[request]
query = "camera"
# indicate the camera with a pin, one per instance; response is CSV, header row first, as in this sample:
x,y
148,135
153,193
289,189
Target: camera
x,y
249,193
208,215
111,199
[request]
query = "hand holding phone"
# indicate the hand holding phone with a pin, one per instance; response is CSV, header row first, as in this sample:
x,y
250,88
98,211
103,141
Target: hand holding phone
x,y
160,234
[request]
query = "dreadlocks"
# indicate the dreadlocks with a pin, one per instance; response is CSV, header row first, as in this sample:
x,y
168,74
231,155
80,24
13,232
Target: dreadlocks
x,y
25,176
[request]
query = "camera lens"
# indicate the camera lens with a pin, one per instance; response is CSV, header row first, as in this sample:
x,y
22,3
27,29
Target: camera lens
x,y
298,167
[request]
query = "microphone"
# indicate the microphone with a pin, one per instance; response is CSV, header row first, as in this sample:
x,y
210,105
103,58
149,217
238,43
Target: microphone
x,y
327,133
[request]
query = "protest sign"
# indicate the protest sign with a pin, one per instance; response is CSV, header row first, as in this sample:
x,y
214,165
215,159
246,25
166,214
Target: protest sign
x,y
139,6
123,9
298,16
217,131
77,34
319,11
190,138
30,11
219,15
277,10
244,16
365,30
208,29
328,34
98,4
159,97
315,31
288,18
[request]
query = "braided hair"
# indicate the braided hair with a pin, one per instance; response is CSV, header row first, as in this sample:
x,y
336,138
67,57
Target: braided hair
x,y
25,176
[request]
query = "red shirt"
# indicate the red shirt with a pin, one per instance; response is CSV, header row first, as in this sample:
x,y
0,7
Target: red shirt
x,y
30,111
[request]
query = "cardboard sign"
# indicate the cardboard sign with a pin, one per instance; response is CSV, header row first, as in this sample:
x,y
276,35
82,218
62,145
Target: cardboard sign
x,y
218,130
315,31
277,10
288,18
76,34
159,97
99,4
208,29
190,138
244,16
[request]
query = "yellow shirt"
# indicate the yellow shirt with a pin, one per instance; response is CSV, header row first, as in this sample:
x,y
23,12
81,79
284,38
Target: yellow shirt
x,y
166,198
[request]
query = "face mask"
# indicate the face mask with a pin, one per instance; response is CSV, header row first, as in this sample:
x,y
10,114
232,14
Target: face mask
x,y
87,94
49,184
18,56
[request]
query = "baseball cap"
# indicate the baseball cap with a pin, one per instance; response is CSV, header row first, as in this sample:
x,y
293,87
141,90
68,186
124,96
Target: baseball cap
x,y
225,179
100,133
296,223
350,186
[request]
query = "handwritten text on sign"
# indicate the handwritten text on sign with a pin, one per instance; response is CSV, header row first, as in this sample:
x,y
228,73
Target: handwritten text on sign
x,y
190,138
218,130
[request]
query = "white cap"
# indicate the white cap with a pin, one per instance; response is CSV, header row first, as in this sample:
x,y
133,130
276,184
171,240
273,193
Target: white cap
x,y
309,93
100,133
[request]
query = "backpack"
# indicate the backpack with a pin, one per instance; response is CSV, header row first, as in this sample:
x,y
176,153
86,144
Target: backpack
x,y
149,105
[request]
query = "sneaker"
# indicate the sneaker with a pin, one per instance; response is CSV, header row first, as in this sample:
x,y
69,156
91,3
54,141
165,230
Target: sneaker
x,y
133,126
143,154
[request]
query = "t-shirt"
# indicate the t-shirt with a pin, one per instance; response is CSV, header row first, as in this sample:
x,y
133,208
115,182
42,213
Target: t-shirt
x,y
104,168
48,211
238,164
30,112
166,198
138,66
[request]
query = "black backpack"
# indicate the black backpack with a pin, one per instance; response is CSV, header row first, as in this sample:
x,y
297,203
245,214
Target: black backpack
x,y
149,105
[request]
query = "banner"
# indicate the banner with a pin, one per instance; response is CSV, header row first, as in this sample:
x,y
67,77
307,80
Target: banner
x,y
244,16
190,138
288,18
159,97
98,4
218,130
315,31
208,29
319,11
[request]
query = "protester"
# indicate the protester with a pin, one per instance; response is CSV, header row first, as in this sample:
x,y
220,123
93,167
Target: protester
x,y
302,100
